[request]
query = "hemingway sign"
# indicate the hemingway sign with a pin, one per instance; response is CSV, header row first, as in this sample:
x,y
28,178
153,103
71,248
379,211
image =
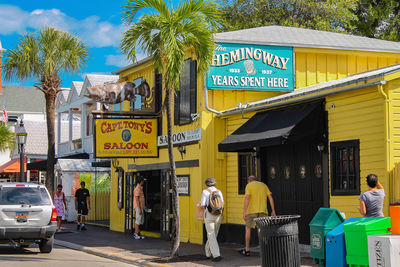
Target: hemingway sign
x,y
125,138
251,67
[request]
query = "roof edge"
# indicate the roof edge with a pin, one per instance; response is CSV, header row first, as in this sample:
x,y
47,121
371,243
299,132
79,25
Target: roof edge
x,y
306,46
142,61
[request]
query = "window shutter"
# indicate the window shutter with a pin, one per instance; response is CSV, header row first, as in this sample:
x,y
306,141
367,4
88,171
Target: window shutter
x,y
184,101
176,108
193,87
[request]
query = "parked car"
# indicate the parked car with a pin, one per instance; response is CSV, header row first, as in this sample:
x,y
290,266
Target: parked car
x,y
27,215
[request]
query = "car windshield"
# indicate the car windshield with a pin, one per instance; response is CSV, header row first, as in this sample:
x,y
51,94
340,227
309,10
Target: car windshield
x,y
24,195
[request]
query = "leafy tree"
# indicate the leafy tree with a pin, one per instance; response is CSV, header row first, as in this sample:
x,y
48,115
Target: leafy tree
x,y
43,55
326,15
166,33
7,138
378,19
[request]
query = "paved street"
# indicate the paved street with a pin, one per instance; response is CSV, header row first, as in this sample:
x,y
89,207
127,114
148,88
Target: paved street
x,y
59,257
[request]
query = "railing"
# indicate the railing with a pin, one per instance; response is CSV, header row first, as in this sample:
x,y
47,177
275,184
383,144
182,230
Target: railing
x,y
63,148
88,144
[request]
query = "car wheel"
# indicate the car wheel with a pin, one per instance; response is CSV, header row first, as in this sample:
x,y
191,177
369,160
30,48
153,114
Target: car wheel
x,y
46,245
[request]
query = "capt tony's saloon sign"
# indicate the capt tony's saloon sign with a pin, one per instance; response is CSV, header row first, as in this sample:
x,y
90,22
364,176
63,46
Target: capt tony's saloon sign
x,y
251,67
126,138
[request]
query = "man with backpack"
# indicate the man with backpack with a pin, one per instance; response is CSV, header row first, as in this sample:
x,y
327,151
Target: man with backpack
x,y
213,203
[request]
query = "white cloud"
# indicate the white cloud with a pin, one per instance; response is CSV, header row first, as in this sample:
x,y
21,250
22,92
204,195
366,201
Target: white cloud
x,y
117,60
121,60
93,31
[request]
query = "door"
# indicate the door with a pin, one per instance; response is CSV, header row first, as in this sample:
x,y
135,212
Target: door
x,y
166,204
129,211
293,173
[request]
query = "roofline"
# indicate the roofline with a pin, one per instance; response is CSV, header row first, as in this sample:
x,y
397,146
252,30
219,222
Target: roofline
x,y
217,40
118,71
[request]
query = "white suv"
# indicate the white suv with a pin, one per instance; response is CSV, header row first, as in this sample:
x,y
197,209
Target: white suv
x,y
27,215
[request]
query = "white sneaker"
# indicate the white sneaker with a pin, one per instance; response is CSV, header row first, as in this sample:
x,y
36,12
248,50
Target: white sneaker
x,y
135,236
142,237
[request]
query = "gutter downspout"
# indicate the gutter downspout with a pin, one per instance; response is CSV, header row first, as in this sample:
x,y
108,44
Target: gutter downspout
x,y
206,97
387,139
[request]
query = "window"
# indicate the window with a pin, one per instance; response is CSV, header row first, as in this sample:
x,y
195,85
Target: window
x,y
137,103
345,167
186,98
247,167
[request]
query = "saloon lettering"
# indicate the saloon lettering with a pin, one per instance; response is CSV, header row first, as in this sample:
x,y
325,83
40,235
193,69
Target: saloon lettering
x,y
108,127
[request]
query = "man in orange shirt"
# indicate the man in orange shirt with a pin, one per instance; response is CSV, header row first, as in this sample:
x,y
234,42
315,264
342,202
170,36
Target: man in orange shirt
x,y
255,205
139,206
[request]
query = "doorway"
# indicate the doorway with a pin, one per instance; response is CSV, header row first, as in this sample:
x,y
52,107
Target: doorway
x,y
293,173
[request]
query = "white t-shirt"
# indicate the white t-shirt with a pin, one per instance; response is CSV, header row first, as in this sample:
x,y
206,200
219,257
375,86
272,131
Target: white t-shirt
x,y
205,196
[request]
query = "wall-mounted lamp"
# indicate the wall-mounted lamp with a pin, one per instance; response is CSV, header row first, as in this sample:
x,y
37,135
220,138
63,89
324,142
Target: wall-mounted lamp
x,y
321,147
182,150
115,164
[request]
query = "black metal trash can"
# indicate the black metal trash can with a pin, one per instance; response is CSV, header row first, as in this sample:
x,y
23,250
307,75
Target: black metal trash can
x,y
279,241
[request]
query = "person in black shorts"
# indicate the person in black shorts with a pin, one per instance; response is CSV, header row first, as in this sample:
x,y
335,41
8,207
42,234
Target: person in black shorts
x,y
82,205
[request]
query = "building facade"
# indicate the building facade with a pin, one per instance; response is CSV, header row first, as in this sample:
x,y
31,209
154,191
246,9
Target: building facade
x,y
311,113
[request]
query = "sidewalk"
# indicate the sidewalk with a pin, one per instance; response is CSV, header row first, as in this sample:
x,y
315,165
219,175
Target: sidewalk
x,y
150,251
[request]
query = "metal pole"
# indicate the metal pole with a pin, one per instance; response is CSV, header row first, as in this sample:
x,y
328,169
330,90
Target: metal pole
x,y
22,165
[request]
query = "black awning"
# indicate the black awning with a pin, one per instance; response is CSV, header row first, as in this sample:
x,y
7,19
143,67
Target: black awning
x,y
103,164
276,127
42,165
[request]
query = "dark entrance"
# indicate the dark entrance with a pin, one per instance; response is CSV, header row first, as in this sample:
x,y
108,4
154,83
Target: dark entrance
x,y
158,202
293,172
129,213
152,193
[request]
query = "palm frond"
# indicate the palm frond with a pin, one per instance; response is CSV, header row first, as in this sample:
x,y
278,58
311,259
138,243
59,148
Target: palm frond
x,y
7,138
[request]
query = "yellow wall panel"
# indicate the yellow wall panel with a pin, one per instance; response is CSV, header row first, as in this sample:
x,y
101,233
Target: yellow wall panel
x,y
366,123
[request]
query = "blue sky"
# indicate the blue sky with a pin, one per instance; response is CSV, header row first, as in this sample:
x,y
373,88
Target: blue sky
x,y
97,23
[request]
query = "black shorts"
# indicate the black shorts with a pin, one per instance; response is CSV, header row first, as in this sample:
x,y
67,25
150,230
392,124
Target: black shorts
x,y
82,209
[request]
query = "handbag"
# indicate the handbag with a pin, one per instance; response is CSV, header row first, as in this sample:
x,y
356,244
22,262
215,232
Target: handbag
x,y
199,212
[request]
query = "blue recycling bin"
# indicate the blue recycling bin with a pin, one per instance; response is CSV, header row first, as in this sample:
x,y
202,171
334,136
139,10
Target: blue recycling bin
x,y
335,246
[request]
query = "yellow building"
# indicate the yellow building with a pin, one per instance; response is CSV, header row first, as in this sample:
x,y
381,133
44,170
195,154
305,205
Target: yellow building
x,y
309,112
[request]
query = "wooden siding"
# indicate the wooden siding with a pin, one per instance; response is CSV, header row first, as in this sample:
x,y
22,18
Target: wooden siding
x,y
359,115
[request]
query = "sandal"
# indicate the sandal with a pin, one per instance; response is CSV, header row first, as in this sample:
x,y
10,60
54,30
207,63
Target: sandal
x,y
244,252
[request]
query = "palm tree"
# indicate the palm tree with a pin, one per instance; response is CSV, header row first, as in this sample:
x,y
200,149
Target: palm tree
x,y
7,138
166,34
44,55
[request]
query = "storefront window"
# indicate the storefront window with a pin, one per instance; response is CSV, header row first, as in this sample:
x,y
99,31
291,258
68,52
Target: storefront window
x,y
247,167
345,165
186,97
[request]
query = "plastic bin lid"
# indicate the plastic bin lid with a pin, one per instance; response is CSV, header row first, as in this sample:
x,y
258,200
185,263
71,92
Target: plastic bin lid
x,y
329,218
339,229
368,224
276,220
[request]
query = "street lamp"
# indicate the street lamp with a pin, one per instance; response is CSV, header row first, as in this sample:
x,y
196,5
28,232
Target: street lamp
x,y
21,140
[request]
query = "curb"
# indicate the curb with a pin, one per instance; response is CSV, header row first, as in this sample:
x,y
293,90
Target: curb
x,y
110,255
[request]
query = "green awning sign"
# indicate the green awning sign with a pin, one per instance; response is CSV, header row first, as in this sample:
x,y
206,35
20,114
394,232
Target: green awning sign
x,y
251,67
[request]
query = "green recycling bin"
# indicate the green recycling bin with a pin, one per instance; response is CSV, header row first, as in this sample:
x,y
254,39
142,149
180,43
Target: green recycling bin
x,y
356,238
323,222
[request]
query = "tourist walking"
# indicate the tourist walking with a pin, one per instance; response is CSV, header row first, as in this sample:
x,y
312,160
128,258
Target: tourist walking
x,y
212,201
60,204
139,204
82,205
255,206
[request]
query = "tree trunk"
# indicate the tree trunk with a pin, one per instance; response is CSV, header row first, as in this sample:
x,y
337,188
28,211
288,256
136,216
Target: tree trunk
x,y
50,117
175,196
